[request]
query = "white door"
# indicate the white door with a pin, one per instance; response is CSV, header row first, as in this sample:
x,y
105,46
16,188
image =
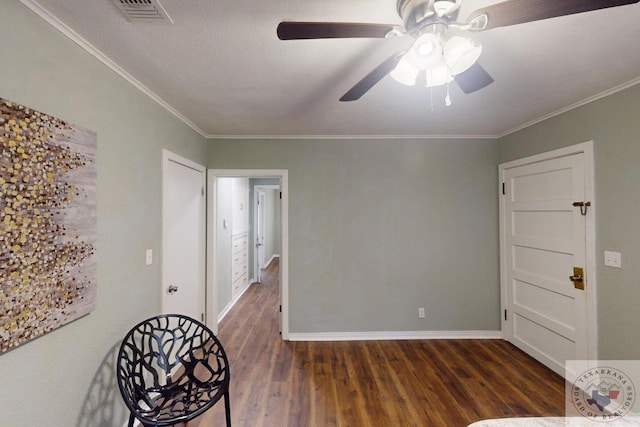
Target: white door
x,y
183,239
544,238
260,234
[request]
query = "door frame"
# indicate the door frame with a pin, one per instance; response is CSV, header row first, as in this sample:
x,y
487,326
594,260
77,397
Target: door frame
x,y
257,188
212,257
585,148
168,156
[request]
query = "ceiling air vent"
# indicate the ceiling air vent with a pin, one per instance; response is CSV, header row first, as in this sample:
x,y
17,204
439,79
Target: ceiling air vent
x,y
143,11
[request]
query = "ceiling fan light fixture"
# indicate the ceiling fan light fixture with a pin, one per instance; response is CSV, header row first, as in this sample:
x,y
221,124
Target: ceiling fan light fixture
x,y
460,53
404,72
438,75
445,7
426,50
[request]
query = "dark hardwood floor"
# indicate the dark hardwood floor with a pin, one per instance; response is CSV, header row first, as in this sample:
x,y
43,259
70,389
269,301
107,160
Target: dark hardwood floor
x,y
371,383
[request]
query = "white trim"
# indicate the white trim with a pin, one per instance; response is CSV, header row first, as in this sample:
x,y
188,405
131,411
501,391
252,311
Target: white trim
x,y
591,267
212,253
554,154
274,256
395,335
573,106
92,50
170,156
212,285
233,302
226,310
586,148
462,138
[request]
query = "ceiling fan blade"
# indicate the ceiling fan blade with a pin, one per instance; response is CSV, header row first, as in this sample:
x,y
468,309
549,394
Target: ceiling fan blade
x,y
473,79
331,30
512,12
372,78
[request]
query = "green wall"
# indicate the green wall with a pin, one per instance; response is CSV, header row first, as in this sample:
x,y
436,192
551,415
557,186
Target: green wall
x,y
378,228
614,126
65,378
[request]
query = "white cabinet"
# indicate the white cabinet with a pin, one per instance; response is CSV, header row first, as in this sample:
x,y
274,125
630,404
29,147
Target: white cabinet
x,y
239,262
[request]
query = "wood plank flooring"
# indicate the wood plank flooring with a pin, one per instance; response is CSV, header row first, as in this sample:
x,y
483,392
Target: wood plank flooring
x,y
449,383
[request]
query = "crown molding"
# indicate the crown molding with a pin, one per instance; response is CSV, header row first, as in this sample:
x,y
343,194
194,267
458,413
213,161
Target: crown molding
x,y
578,104
35,7
353,137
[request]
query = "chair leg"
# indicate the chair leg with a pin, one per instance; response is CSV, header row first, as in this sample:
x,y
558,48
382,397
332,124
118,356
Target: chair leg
x,y
227,408
131,419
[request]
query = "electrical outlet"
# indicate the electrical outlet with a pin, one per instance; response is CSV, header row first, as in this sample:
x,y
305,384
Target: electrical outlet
x,y
421,312
613,259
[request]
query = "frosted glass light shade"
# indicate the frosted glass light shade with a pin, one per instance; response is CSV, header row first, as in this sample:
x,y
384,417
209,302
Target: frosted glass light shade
x,y
426,50
460,53
439,62
438,74
404,72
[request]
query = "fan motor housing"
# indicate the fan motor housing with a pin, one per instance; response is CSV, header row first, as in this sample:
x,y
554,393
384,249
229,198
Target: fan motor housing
x,y
417,14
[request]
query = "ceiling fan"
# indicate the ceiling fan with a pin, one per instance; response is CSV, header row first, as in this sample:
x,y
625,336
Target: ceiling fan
x,y
442,50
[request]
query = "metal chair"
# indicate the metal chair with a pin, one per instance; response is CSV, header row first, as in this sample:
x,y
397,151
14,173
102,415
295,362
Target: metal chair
x,y
171,369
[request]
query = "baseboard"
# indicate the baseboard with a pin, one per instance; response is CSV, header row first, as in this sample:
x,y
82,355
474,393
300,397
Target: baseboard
x,y
274,256
233,302
394,335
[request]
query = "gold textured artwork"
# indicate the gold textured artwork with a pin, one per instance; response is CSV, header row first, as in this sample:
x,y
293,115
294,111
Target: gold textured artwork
x,y
47,223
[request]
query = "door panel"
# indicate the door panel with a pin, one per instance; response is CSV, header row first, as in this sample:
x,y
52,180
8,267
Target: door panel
x,y
531,184
530,334
183,239
555,225
537,299
544,238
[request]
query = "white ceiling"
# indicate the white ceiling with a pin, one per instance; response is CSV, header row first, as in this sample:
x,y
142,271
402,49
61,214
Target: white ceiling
x,y
221,67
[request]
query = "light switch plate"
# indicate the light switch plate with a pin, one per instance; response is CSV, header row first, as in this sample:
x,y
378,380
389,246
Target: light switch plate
x,y
613,259
149,256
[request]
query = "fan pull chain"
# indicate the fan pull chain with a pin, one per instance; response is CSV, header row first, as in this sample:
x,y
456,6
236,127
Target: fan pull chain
x,y
431,97
426,81
447,99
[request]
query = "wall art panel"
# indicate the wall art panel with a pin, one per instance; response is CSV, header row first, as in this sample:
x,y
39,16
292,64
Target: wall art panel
x,y
48,223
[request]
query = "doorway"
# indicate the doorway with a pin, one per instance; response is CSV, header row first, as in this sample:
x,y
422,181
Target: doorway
x,y
266,230
214,219
547,255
